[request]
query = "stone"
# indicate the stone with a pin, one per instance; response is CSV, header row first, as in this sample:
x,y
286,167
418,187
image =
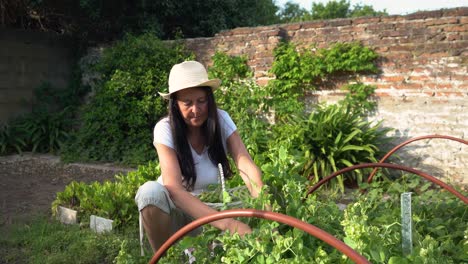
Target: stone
x,y
66,215
100,224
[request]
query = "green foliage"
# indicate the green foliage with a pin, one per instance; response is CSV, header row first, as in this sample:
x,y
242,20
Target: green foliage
x,y
332,138
103,20
292,12
307,68
366,10
117,123
9,139
244,100
358,97
438,237
369,225
110,199
46,128
341,9
329,10
329,139
229,68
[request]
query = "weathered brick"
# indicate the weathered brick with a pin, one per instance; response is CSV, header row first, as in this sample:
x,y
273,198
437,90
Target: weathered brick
x,y
460,28
313,24
292,27
380,27
366,20
305,33
395,33
461,11
242,31
441,21
328,30
393,79
424,15
263,81
454,36
339,38
393,18
339,22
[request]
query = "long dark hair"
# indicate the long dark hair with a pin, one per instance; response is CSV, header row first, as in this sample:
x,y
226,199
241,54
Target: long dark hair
x,y
211,131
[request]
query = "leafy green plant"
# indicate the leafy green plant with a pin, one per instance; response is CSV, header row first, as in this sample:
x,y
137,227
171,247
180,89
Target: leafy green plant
x,y
229,68
307,68
46,128
110,199
9,139
243,99
340,138
300,70
359,98
341,9
368,224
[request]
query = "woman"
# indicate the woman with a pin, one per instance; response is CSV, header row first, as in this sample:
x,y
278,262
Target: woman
x,y
190,143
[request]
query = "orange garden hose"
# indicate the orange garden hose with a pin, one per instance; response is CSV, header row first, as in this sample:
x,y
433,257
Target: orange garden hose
x,y
285,219
393,150
391,166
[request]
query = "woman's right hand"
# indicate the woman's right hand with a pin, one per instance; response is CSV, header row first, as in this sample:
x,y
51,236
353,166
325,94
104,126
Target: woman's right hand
x,y
235,226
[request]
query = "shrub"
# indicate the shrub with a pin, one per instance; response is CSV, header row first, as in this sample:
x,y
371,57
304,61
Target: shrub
x,y
117,123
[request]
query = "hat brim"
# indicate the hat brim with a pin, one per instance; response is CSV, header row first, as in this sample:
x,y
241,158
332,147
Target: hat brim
x,y
214,84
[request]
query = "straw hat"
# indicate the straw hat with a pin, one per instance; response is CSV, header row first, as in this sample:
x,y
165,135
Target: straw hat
x,y
189,74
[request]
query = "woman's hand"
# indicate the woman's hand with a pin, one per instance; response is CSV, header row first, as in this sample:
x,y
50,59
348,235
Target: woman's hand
x,y
238,227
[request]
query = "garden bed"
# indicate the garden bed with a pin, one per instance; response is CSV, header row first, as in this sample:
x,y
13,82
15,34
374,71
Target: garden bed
x,y
29,182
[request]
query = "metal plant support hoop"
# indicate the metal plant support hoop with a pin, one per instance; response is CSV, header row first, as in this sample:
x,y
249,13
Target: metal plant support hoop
x,y
391,166
285,219
369,179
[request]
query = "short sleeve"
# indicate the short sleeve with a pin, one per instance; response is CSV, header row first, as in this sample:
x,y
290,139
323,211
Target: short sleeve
x,y
162,133
227,125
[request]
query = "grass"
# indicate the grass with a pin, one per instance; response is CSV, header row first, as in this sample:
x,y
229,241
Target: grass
x,y
45,240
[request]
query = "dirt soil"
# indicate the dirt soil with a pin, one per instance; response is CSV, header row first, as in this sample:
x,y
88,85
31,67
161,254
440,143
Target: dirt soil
x,y
29,183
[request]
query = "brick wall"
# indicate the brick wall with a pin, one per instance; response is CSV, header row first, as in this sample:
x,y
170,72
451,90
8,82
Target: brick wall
x,y
28,58
422,88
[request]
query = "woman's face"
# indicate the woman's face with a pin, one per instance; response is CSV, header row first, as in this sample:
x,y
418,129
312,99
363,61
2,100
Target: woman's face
x,y
193,105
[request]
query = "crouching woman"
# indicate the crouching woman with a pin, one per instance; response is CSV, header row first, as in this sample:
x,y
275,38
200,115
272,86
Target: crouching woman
x,y
190,142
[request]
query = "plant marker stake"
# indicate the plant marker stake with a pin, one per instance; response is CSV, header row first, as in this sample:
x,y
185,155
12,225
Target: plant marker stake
x,y
221,177
225,194
406,224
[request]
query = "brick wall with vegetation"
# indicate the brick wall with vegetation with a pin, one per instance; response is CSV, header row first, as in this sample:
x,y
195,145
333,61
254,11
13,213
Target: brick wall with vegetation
x,y
422,85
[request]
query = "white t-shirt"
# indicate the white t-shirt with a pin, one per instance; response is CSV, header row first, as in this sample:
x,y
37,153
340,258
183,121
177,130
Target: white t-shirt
x,y
207,172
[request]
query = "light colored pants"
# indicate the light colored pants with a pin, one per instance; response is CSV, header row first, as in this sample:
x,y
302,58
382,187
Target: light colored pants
x,y
153,193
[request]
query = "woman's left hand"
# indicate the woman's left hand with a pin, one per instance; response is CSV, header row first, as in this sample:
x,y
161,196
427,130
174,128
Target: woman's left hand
x,y
235,226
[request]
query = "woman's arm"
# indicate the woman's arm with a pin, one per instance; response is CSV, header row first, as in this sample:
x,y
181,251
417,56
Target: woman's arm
x,y
250,173
172,178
